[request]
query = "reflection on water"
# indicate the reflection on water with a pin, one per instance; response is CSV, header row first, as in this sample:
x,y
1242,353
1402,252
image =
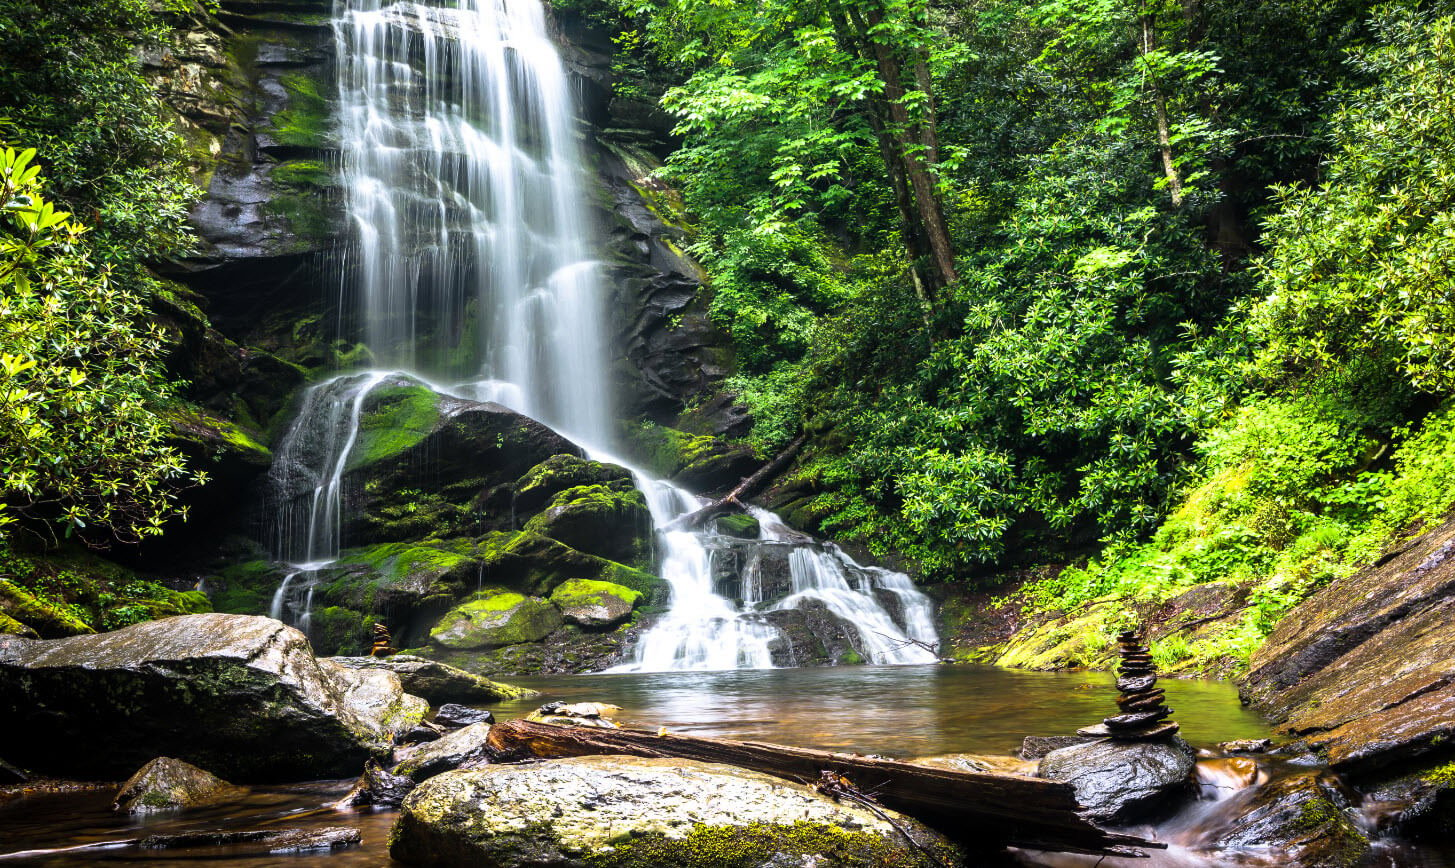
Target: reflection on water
x,y
898,711
79,819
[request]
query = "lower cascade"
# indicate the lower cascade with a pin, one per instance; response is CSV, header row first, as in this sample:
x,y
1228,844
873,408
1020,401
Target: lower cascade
x,y
736,603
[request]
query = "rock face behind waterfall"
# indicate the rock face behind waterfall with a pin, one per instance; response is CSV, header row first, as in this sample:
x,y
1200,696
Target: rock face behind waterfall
x,y
240,696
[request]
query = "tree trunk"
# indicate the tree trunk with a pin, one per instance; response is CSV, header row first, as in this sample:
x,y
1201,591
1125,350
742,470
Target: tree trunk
x,y
1014,809
1159,109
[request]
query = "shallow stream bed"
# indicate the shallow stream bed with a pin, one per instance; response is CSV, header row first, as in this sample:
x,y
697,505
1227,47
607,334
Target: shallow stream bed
x,y
904,712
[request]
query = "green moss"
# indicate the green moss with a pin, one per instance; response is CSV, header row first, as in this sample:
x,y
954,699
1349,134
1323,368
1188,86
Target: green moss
x,y
336,630
753,845
395,419
851,658
496,618
216,434
246,588
1441,776
668,451
305,123
70,591
11,627
303,173
588,592
739,525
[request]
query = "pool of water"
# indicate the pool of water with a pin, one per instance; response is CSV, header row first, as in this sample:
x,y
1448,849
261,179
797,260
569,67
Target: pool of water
x,y
897,711
904,712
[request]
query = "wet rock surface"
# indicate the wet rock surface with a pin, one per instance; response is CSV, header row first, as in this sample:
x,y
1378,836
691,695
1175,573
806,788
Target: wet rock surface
x,y
460,748
1122,781
167,784
594,604
1297,820
241,696
640,812
378,787
1364,670
272,841
453,716
437,682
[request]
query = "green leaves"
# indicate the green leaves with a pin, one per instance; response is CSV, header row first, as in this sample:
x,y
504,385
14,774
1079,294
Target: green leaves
x,y
81,440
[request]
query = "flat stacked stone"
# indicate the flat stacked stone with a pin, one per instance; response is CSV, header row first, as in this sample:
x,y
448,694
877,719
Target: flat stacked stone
x,y
1143,715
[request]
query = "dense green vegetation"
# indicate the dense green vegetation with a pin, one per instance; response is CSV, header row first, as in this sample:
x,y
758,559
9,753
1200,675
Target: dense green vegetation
x,y
81,386
1198,310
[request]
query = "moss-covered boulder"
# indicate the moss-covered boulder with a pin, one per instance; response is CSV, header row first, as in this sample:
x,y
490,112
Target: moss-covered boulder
x,y
594,604
167,784
697,462
739,524
426,465
256,703
610,521
558,473
493,619
647,813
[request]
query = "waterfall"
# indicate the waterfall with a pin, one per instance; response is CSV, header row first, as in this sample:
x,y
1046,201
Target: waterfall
x,y
462,173
473,265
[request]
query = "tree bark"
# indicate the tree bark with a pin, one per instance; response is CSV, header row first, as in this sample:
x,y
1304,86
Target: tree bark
x,y
1159,109
743,489
1014,809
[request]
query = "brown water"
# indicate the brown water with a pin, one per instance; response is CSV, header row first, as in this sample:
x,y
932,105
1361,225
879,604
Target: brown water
x,y
893,711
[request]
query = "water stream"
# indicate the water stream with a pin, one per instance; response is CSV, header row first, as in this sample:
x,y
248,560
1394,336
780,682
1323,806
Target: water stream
x,y
474,266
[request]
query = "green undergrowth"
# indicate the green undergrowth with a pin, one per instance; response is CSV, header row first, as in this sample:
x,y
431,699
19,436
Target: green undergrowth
x,y
71,591
1292,495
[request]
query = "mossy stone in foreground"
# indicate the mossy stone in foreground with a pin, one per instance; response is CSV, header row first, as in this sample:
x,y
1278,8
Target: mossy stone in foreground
x,y
490,620
558,473
593,603
169,784
665,813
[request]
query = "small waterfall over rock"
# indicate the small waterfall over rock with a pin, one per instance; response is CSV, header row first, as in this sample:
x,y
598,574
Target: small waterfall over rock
x,y
473,265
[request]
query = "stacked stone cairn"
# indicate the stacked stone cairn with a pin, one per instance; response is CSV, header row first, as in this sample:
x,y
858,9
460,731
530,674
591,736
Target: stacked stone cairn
x,y
1143,716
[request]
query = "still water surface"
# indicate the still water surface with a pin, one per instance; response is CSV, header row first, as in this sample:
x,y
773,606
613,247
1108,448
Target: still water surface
x,y
899,711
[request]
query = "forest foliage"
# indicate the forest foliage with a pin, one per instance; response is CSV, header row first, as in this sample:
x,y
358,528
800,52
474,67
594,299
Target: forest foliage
x,y
93,193
1200,309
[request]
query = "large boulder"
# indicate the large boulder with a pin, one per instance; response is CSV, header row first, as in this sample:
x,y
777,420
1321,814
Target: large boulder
x,y
610,521
1121,781
1364,670
492,619
240,695
589,603
438,682
636,813
560,472
166,784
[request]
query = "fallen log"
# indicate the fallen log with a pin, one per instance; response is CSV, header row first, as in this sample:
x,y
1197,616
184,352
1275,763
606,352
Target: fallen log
x,y
1013,809
733,498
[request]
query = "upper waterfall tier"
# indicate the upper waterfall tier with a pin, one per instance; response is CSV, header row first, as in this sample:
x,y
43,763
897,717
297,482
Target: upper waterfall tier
x,y
463,179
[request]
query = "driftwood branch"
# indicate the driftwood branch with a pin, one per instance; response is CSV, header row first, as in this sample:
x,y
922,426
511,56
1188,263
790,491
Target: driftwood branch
x,y
992,806
733,499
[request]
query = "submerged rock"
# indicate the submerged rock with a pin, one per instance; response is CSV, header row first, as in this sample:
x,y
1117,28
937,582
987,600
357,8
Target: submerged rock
x,y
266,840
167,784
463,747
241,695
377,787
636,813
1118,781
436,681
1298,820
452,716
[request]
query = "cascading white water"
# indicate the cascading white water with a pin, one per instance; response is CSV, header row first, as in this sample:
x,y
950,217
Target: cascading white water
x,y
462,172
463,178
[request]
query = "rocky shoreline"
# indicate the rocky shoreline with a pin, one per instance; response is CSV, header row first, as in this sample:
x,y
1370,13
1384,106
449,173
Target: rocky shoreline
x,y
199,708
